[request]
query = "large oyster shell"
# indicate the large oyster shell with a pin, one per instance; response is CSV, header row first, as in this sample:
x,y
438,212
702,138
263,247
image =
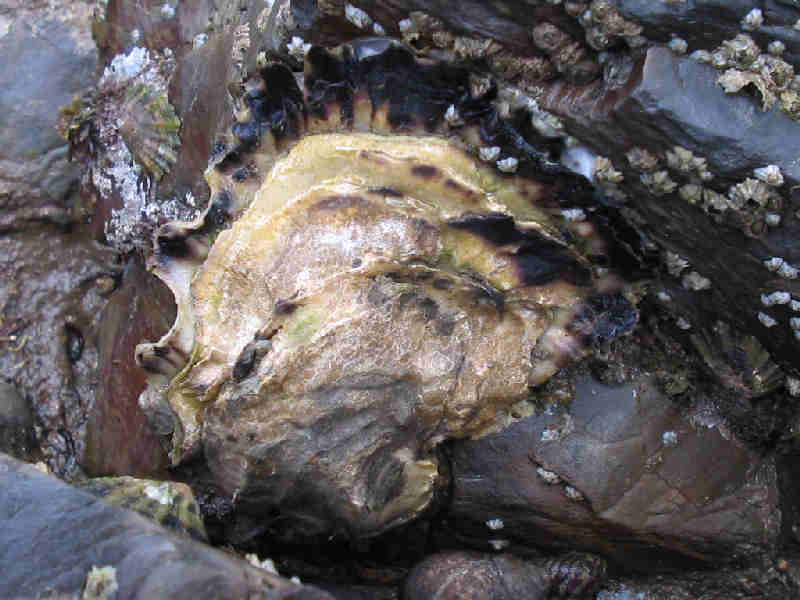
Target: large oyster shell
x,y
379,291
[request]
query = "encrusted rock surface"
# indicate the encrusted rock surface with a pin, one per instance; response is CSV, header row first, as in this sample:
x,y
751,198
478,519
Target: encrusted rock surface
x,y
168,503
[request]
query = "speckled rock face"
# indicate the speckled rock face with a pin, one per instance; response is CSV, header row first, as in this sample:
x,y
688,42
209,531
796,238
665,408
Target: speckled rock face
x,y
364,286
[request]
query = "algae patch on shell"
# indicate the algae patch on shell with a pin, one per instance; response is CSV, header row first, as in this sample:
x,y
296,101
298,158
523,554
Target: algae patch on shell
x,y
363,287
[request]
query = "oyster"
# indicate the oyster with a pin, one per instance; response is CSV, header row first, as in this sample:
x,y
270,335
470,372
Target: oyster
x,y
362,287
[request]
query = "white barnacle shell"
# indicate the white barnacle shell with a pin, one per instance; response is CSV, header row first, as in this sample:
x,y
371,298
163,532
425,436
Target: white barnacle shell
x,y
378,29
406,26
675,263
771,175
572,493
750,191
774,263
678,45
489,153
508,165
574,214
793,386
659,183
452,117
357,16
549,477
495,524
766,320
683,324
298,47
695,282
776,298
680,159
753,20
669,438
772,219
641,159
776,48
499,544
691,193
715,200
605,172
701,56
101,583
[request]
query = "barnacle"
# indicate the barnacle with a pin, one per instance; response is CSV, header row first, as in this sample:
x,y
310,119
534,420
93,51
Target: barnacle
x,y
641,159
362,286
738,361
745,65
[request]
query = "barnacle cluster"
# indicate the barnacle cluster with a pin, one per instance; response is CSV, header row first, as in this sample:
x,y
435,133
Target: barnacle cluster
x,y
751,205
743,64
384,264
427,32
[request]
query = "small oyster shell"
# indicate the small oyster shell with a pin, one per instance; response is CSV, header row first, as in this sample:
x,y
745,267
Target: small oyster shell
x,y
379,290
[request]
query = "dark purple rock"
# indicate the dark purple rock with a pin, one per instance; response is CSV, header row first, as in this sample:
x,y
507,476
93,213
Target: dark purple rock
x,y
51,535
623,474
474,576
704,24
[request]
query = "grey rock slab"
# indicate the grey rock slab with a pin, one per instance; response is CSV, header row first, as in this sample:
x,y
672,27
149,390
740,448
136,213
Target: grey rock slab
x,y
704,24
622,474
45,65
51,535
670,101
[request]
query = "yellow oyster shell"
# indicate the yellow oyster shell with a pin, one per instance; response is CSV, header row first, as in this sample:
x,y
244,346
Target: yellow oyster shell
x,y
386,321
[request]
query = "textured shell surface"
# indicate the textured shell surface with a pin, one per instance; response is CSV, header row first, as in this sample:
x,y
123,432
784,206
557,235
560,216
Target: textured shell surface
x,y
362,287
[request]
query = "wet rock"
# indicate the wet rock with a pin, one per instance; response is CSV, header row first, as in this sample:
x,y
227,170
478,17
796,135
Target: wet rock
x,y
474,576
16,424
721,19
168,503
54,288
49,57
771,581
669,103
622,473
360,592
76,535
119,439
